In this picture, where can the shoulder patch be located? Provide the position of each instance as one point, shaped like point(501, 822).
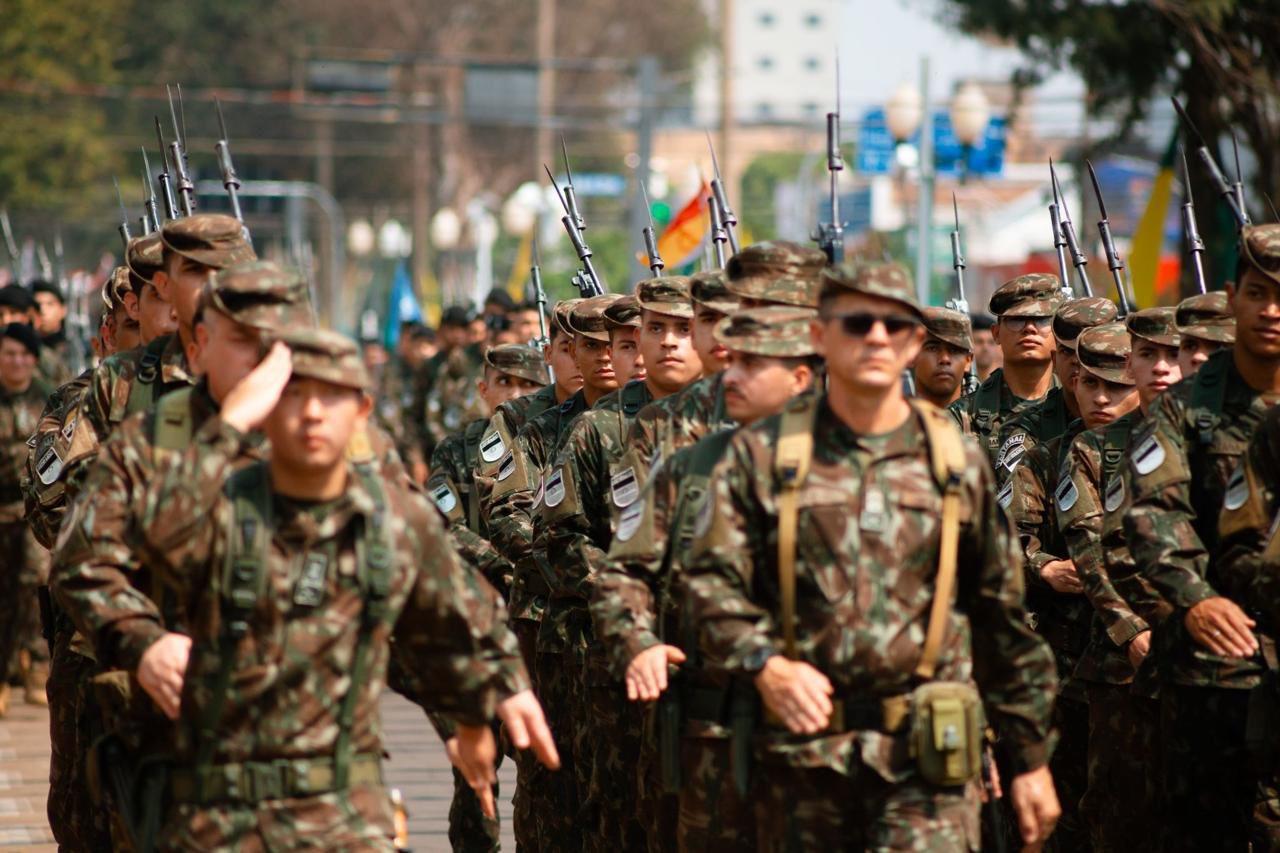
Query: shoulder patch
point(553, 493)
point(444, 496)
point(706, 511)
point(507, 467)
point(49, 466)
point(1012, 451)
point(1004, 497)
point(624, 487)
point(566, 406)
point(69, 428)
point(1066, 494)
point(1237, 490)
point(492, 446)
point(1115, 493)
point(629, 521)
point(1148, 456)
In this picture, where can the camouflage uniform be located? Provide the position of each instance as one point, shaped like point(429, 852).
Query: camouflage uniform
point(390, 577)
point(395, 411)
point(452, 401)
point(984, 413)
point(639, 601)
point(1119, 805)
point(1207, 316)
point(1183, 459)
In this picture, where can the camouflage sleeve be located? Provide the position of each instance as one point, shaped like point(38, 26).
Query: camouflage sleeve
point(1081, 525)
point(1013, 666)
point(1159, 525)
point(1249, 548)
point(95, 566)
point(478, 553)
point(960, 412)
point(575, 521)
point(56, 438)
point(512, 497)
point(1029, 509)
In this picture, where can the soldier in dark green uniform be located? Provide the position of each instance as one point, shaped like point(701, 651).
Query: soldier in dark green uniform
point(1205, 325)
point(945, 357)
point(1185, 469)
point(50, 322)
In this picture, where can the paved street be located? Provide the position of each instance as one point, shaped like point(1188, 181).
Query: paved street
point(417, 767)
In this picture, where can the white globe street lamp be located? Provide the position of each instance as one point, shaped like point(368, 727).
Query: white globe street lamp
point(903, 112)
point(970, 112)
point(446, 229)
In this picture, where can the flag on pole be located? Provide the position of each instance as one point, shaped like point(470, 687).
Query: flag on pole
point(520, 269)
point(679, 244)
point(1150, 286)
point(403, 306)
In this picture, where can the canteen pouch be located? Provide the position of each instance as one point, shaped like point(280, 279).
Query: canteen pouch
point(946, 732)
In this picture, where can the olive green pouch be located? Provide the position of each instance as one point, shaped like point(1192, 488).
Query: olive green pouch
point(946, 732)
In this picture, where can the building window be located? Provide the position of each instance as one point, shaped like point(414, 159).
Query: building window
point(813, 63)
point(813, 20)
point(764, 110)
point(767, 19)
point(810, 108)
point(765, 63)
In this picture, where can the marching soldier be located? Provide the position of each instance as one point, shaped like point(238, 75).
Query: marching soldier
point(446, 383)
point(945, 357)
point(50, 322)
point(1185, 462)
point(822, 572)
point(1205, 325)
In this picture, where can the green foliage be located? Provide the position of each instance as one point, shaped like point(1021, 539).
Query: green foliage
point(758, 182)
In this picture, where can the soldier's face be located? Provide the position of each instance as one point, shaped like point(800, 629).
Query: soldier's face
point(228, 352)
point(17, 365)
point(713, 354)
point(524, 323)
point(1255, 301)
point(756, 386)
point(939, 370)
point(628, 363)
point(13, 315)
point(311, 427)
point(126, 334)
point(595, 364)
point(1101, 402)
point(452, 337)
point(869, 360)
point(180, 283)
point(666, 342)
point(986, 351)
point(497, 388)
point(1153, 367)
point(1065, 366)
point(50, 313)
point(1193, 352)
point(560, 357)
point(1025, 340)
point(156, 317)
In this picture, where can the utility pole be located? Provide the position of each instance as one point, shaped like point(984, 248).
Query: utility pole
point(727, 160)
point(546, 49)
point(422, 183)
point(647, 83)
point(924, 215)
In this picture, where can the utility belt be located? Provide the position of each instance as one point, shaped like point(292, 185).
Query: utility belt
point(252, 782)
point(852, 714)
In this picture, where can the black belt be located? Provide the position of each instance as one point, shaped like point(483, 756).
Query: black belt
point(889, 714)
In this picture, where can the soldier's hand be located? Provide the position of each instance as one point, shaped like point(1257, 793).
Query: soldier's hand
point(476, 754)
point(1036, 803)
point(797, 693)
point(1138, 649)
point(527, 727)
point(248, 404)
point(1222, 627)
point(1062, 577)
point(162, 670)
point(647, 672)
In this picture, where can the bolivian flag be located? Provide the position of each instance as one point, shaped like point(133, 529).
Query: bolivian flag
point(1150, 286)
point(682, 242)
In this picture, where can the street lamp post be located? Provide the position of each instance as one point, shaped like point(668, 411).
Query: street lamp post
point(970, 112)
point(907, 111)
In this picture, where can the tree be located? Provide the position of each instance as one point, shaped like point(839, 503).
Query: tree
point(1218, 56)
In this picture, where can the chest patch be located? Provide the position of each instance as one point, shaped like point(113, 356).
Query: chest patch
point(507, 467)
point(629, 522)
point(1012, 451)
point(1115, 493)
point(445, 498)
point(69, 428)
point(1237, 490)
point(873, 518)
point(624, 488)
point(1004, 497)
point(310, 589)
point(1149, 456)
point(492, 447)
point(49, 466)
point(553, 493)
point(1066, 494)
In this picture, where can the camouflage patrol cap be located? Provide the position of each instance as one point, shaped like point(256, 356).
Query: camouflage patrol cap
point(144, 257)
point(1260, 248)
point(259, 294)
point(624, 312)
point(883, 279)
point(778, 272)
point(326, 355)
point(780, 331)
point(1036, 294)
point(950, 327)
point(1154, 324)
point(1104, 352)
point(1076, 315)
point(561, 314)
point(113, 292)
point(210, 239)
point(518, 360)
point(667, 295)
point(710, 289)
point(1207, 316)
point(587, 317)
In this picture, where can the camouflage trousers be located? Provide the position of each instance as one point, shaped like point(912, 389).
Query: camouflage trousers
point(817, 809)
point(553, 795)
point(712, 815)
point(1120, 806)
point(359, 819)
point(24, 567)
point(523, 816)
point(76, 822)
point(1209, 782)
point(469, 830)
point(1070, 768)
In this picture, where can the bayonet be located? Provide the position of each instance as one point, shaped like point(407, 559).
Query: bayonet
point(230, 180)
point(1078, 259)
point(1238, 186)
point(960, 303)
point(728, 221)
point(587, 280)
point(123, 228)
point(1114, 263)
point(1195, 245)
point(570, 198)
point(540, 299)
point(830, 237)
point(718, 235)
point(650, 237)
point(1220, 183)
point(1060, 249)
point(166, 182)
point(10, 244)
point(186, 189)
point(46, 266)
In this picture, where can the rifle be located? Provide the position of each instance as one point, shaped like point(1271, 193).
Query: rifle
point(1060, 248)
point(77, 320)
point(1078, 259)
point(1233, 197)
point(728, 221)
point(656, 266)
point(166, 182)
point(1195, 245)
point(540, 297)
point(1238, 186)
point(570, 194)
point(123, 228)
point(230, 179)
point(149, 195)
point(718, 234)
point(830, 237)
point(960, 303)
point(186, 189)
point(587, 280)
point(1108, 245)
point(10, 244)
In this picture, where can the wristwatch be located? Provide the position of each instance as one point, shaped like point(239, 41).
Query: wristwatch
point(754, 662)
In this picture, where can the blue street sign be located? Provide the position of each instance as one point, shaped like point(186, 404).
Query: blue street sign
point(876, 146)
point(599, 184)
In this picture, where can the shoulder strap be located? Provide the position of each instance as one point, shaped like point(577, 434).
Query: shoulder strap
point(173, 427)
point(986, 401)
point(946, 455)
point(1208, 394)
point(791, 460)
point(1113, 443)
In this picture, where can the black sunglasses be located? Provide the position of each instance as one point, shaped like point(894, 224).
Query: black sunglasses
point(860, 324)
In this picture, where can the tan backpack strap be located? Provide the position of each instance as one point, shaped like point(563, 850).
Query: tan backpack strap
point(791, 465)
point(946, 453)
